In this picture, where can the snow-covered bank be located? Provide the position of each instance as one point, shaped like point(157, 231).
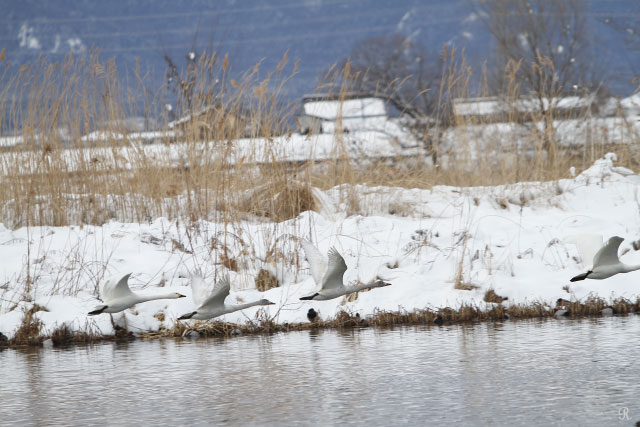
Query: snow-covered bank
point(514, 138)
point(381, 143)
point(506, 238)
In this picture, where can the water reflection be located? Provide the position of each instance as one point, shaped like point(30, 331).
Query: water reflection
point(579, 372)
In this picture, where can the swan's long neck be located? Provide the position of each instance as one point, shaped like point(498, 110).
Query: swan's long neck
point(145, 298)
point(231, 308)
point(628, 268)
point(351, 289)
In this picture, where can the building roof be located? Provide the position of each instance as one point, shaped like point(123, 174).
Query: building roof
point(328, 109)
point(482, 106)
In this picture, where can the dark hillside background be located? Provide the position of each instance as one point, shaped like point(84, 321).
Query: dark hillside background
point(316, 32)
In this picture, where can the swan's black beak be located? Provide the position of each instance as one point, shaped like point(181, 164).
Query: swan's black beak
point(187, 316)
point(271, 303)
point(581, 276)
point(181, 296)
point(386, 284)
point(97, 311)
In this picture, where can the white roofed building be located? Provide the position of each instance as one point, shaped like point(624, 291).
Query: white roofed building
point(324, 113)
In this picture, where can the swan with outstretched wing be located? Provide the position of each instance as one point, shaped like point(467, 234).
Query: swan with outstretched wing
point(117, 296)
point(209, 300)
point(606, 262)
point(328, 274)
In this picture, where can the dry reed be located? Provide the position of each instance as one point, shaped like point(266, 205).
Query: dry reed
point(57, 177)
point(30, 330)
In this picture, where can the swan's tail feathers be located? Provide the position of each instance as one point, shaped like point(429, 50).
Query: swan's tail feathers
point(98, 310)
point(187, 316)
point(581, 276)
point(310, 297)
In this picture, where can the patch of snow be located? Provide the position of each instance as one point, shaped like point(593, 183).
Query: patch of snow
point(26, 37)
point(56, 44)
point(523, 39)
point(386, 140)
point(507, 238)
point(152, 135)
point(100, 135)
point(347, 109)
point(76, 45)
point(631, 105)
point(10, 141)
point(404, 20)
point(472, 17)
point(494, 105)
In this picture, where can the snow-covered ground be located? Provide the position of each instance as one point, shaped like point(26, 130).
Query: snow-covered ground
point(507, 238)
point(384, 138)
point(388, 141)
point(578, 133)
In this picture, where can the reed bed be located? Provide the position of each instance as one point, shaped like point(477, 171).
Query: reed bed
point(61, 175)
point(30, 330)
point(30, 333)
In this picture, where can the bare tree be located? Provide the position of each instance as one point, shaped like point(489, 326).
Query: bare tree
point(191, 78)
point(629, 28)
point(546, 46)
point(397, 68)
point(401, 71)
point(549, 37)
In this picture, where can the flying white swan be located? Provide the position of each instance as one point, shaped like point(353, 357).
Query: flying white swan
point(117, 296)
point(210, 301)
point(588, 244)
point(606, 262)
point(328, 274)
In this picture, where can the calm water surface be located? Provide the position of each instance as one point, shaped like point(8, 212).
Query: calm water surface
point(572, 372)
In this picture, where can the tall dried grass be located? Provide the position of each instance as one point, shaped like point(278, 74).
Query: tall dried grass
point(58, 178)
point(29, 331)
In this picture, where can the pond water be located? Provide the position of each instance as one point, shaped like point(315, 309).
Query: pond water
point(569, 372)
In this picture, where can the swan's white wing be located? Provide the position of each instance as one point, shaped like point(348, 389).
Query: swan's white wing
point(112, 290)
point(588, 245)
point(199, 290)
point(335, 270)
point(317, 262)
point(608, 254)
point(218, 294)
